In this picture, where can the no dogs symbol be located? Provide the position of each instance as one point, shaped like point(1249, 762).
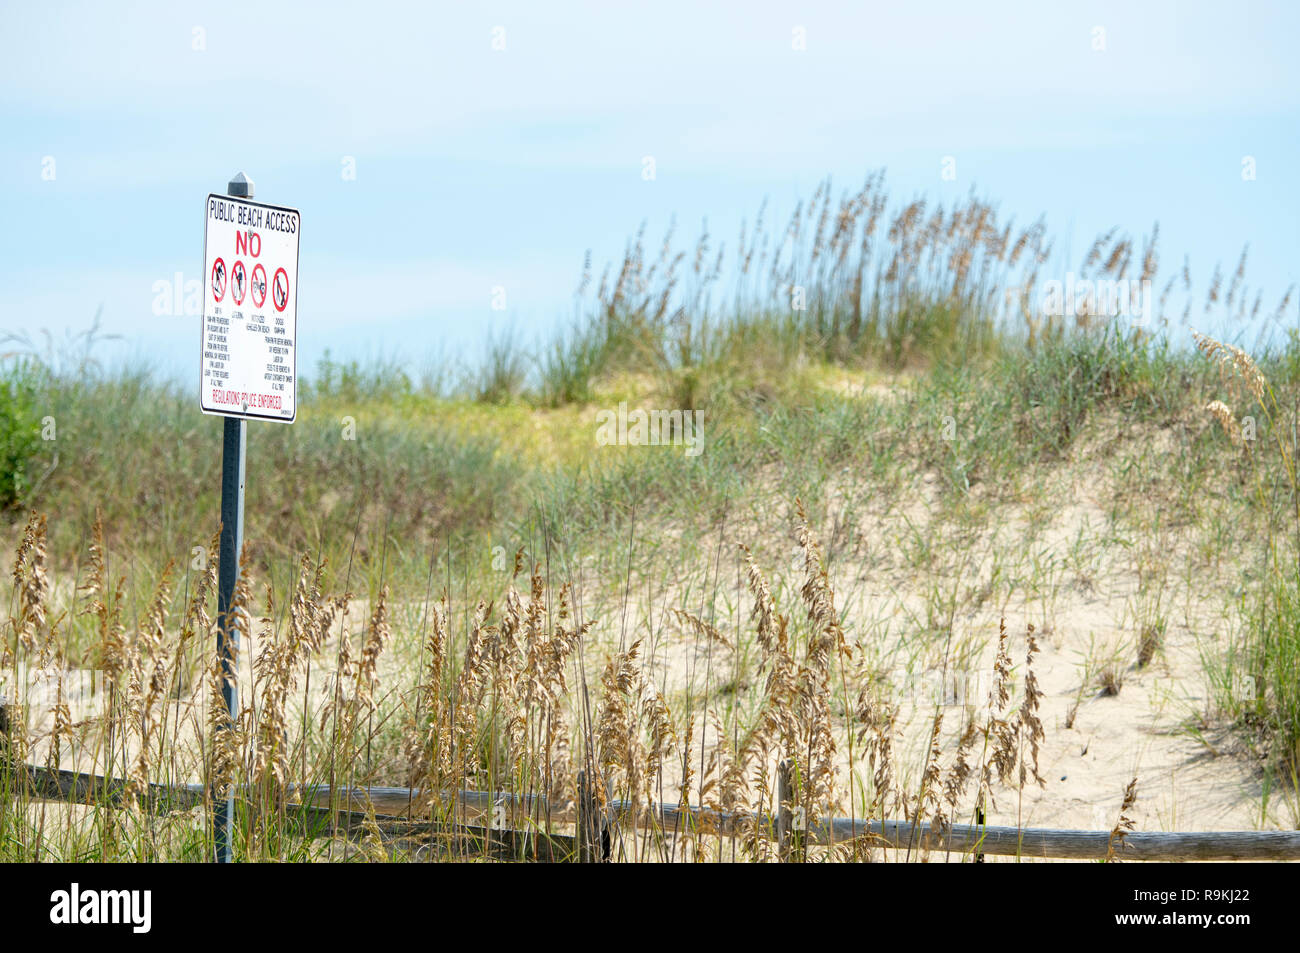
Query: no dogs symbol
point(280, 290)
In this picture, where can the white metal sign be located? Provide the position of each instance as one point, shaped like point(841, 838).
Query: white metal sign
point(250, 310)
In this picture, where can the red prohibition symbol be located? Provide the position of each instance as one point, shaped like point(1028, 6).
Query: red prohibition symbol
point(238, 283)
point(218, 279)
point(259, 286)
point(280, 290)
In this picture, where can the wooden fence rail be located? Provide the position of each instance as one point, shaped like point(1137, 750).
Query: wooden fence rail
point(348, 808)
point(322, 809)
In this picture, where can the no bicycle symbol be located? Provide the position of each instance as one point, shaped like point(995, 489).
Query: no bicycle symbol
point(239, 283)
point(280, 293)
point(259, 286)
point(219, 279)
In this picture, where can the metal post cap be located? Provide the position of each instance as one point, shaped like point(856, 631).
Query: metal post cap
point(241, 186)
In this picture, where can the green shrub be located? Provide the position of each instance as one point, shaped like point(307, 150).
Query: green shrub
point(19, 434)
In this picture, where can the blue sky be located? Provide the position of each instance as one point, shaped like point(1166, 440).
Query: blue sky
point(478, 168)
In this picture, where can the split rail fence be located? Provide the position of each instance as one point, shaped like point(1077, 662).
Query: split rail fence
point(396, 812)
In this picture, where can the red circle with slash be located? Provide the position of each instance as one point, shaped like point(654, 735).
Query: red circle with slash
point(259, 286)
point(280, 290)
point(218, 279)
point(238, 283)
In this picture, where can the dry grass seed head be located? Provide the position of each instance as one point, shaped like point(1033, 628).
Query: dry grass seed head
point(1124, 824)
point(1233, 362)
point(31, 582)
point(1223, 414)
point(1028, 718)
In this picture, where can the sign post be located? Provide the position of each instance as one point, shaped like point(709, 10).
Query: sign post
point(248, 370)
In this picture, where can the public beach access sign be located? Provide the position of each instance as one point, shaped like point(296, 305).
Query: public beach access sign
point(250, 310)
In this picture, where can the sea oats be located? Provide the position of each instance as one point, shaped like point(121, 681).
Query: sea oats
point(1223, 414)
point(1238, 277)
point(1280, 313)
point(929, 802)
point(106, 605)
point(32, 583)
point(701, 628)
point(1216, 285)
point(1027, 718)
point(1115, 842)
point(1233, 359)
point(149, 662)
point(954, 784)
point(1151, 258)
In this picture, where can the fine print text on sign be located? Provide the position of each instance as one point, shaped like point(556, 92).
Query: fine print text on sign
point(250, 310)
